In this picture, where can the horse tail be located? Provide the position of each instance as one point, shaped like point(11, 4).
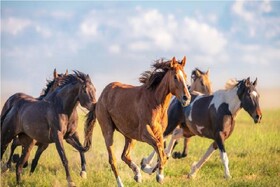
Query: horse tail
point(4, 113)
point(89, 126)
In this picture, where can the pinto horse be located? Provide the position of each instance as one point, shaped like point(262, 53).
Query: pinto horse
point(200, 84)
point(140, 112)
point(214, 117)
point(47, 121)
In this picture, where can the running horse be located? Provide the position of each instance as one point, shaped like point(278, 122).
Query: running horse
point(15, 98)
point(47, 121)
point(140, 112)
point(213, 117)
point(200, 83)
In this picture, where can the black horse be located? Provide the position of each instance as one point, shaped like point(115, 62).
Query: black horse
point(47, 121)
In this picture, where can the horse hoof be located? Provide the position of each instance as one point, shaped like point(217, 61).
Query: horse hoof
point(83, 174)
point(4, 168)
point(160, 178)
point(191, 176)
point(71, 184)
point(227, 176)
point(138, 178)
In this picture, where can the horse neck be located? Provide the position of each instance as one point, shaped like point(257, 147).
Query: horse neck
point(233, 101)
point(68, 97)
point(162, 93)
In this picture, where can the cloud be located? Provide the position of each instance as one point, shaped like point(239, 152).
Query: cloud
point(257, 19)
point(14, 25)
point(89, 25)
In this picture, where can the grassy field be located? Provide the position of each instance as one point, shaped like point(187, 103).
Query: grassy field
point(253, 151)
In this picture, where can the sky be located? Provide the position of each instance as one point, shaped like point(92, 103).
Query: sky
point(118, 40)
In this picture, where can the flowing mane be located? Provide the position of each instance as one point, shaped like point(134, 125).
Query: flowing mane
point(231, 83)
point(152, 78)
point(73, 78)
point(196, 69)
point(48, 87)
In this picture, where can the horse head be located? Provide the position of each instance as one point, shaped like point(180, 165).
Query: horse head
point(249, 98)
point(177, 81)
point(87, 92)
point(201, 82)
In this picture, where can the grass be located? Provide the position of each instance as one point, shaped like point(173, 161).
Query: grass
point(253, 151)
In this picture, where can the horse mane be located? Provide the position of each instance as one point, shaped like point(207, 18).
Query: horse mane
point(196, 69)
point(151, 79)
point(73, 78)
point(46, 90)
point(231, 83)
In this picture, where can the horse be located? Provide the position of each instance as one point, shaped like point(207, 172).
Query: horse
point(200, 84)
point(213, 117)
point(12, 100)
point(140, 112)
point(47, 121)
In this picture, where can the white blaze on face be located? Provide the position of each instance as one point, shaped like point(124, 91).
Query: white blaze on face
point(254, 93)
point(182, 77)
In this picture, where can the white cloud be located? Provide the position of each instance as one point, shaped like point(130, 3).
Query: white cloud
point(89, 25)
point(239, 9)
point(46, 33)
point(203, 37)
point(61, 15)
point(115, 49)
point(14, 25)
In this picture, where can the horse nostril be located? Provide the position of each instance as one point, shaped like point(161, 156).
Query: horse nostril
point(185, 98)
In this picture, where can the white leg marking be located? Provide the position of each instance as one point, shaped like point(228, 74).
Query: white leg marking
point(177, 134)
point(119, 181)
point(225, 161)
point(138, 176)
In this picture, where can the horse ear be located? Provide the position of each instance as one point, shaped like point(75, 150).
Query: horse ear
point(255, 82)
point(66, 73)
point(55, 73)
point(184, 61)
point(197, 73)
point(173, 62)
point(247, 82)
point(208, 72)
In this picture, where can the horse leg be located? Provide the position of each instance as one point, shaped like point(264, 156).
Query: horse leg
point(185, 149)
point(156, 141)
point(129, 144)
point(28, 144)
point(41, 148)
point(197, 165)
point(176, 135)
point(220, 143)
point(14, 145)
point(74, 140)
point(60, 149)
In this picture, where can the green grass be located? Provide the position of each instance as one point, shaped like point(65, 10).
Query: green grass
point(253, 151)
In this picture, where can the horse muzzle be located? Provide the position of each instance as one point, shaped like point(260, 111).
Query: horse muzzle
point(257, 118)
point(185, 101)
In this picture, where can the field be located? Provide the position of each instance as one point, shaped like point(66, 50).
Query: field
point(253, 151)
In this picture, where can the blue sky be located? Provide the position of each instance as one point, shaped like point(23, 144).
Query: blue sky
point(117, 41)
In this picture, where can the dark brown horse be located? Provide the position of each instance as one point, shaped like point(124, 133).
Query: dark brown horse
point(47, 121)
point(14, 99)
point(140, 112)
point(200, 84)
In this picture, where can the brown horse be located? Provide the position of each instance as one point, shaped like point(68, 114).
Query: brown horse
point(200, 84)
point(140, 112)
point(47, 121)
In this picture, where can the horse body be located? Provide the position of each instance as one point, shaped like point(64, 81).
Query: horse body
point(46, 120)
point(140, 112)
point(213, 117)
point(200, 84)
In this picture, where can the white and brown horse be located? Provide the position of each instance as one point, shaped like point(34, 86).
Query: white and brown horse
point(140, 112)
point(214, 117)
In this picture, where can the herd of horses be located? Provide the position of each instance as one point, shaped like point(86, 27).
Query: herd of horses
point(146, 113)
